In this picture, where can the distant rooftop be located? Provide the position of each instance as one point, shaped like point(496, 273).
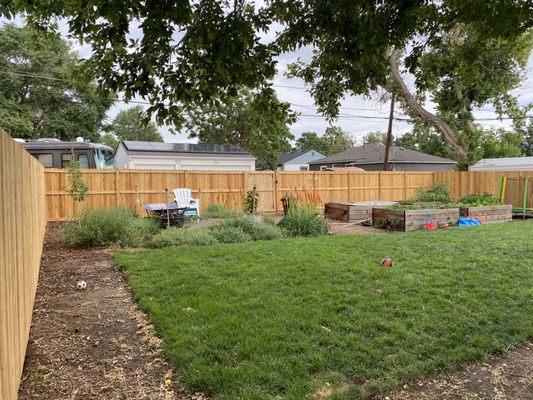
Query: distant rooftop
point(502, 164)
point(374, 154)
point(160, 147)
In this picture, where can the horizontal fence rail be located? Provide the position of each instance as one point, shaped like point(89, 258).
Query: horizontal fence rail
point(22, 226)
point(132, 188)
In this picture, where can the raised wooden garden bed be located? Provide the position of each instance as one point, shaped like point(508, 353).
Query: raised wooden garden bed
point(347, 212)
point(489, 214)
point(411, 220)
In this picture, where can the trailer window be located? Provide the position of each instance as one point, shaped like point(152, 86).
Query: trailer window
point(83, 159)
point(46, 159)
point(65, 159)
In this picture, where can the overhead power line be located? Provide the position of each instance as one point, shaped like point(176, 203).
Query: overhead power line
point(340, 116)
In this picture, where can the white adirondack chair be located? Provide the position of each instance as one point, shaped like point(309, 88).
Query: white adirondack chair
point(183, 198)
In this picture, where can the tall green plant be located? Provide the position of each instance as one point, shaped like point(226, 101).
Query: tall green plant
point(77, 188)
point(251, 201)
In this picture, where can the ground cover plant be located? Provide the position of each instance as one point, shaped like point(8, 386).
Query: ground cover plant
point(220, 211)
point(422, 206)
point(110, 226)
point(439, 192)
point(301, 316)
point(475, 200)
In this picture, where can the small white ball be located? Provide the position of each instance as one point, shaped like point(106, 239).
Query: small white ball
point(82, 285)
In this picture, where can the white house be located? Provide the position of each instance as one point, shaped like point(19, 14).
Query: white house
point(157, 155)
point(298, 160)
point(503, 164)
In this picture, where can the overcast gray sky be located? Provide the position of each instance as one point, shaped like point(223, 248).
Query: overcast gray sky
point(352, 108)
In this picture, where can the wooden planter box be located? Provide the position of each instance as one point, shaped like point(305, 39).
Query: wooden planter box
point(489, 214)
point(347, 212)
point(412, 220)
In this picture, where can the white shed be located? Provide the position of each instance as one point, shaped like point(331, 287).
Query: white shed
point(157, 155)
point(503, 164)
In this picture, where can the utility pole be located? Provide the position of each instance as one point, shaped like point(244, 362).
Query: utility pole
point(388, 142)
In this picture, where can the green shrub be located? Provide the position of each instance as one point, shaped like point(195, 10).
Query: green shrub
point(109, 226)
point(304, 221)
point(185, 236)
point(139, 232)
point(230, 234)
point(439, 192)
point(266, 232)
point(483, 199)
point(268, 219)
point(257, 230)
point(220, 211)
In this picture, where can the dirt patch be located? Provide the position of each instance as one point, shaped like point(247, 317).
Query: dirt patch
point(508, 377)
point(93, 343)
point(343, 228)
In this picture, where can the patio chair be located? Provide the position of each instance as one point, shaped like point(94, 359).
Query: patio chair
point(183, 198)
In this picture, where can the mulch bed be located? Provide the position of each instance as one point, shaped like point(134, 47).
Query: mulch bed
point(93, 343)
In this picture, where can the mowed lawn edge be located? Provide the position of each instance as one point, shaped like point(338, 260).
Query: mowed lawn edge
point(301, 317)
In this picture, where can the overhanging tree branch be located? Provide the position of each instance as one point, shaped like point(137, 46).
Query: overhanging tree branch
point(447, 133)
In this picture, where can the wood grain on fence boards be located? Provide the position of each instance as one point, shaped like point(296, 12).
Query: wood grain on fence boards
point(132, 188)
point(22, 227)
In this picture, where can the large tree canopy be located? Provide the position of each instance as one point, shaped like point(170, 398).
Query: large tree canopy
point(40, 94)
point(258, 122)
point(195, 51)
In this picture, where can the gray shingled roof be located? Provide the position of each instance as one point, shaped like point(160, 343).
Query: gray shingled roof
point(285, 157)
point(159, 147)
point(374, 153)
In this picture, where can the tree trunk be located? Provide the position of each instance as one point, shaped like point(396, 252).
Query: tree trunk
point(447, 133)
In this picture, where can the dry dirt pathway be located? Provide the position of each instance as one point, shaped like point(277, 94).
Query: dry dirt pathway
point(93, 343)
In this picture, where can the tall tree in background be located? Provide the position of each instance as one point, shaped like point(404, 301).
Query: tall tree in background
point(130, 124)
point(333, 141)
point(460, 69)
point(375, 138)
point(258, 122)
point(337, 140)
point(40, 94)
point(311, 141)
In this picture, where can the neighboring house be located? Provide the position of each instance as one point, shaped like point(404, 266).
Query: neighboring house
point(298, 160)
point(503, 164)
point(370, 158)
point(157, 155)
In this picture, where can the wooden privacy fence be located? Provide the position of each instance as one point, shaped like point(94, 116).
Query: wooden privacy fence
point(22, 226)
point(132, 188)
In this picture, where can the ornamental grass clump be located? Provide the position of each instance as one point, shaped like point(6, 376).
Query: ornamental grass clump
point(118, 226)
point(303, 220)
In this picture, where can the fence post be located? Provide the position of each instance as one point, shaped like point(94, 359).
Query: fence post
point(117, 191)
point(405, 185)
point(276, 192)
point(379, 185)
point(349, 186)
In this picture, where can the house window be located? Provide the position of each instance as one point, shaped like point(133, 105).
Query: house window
point(65, 159)
point(304, 167)
point(323, 167)
point(46, 159)
point(83, 159)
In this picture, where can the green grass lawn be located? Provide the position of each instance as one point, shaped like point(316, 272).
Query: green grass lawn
point(289, 317)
